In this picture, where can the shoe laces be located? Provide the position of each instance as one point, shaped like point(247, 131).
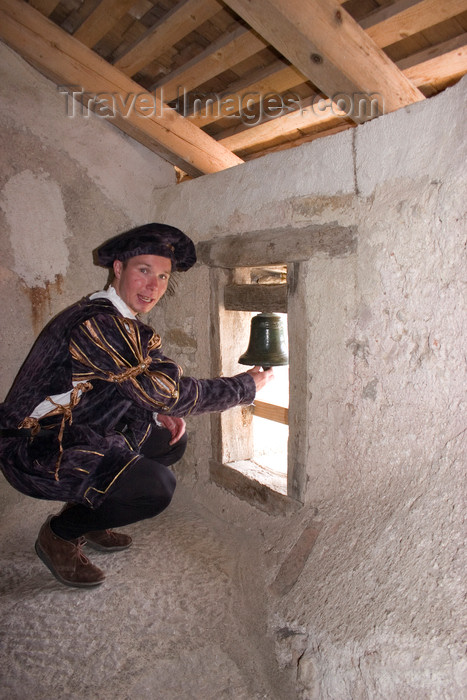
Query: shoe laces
point(80, 542)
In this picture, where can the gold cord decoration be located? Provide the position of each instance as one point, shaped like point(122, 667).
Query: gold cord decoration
point(67, 416)
point(130, 361)
point(31, 424)
point(131, 372)
point(66, 412)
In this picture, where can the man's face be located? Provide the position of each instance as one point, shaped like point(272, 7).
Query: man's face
point(142, 281)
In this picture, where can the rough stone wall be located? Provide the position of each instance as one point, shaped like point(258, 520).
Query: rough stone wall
point(366, 580)
point(66, 184)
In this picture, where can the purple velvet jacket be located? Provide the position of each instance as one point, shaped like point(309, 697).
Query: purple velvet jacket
point(121, 378)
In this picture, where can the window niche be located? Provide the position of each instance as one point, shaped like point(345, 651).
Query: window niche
point(235, 297)
point(263, 455)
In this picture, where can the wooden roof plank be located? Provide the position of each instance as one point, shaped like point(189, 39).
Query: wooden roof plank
point(348, 63)
point(439, 50)
point(46, 7)
point(307, 137)
point(276, 78)
point(101, 21)
point(439, 65)
point(69, 63)
point(223, 53)
point(185, 17)
point(313, 113)
point(408, 17)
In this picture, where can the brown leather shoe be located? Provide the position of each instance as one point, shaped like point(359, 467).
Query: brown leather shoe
point(104, 540)
point(66, 560)
point(108, 540)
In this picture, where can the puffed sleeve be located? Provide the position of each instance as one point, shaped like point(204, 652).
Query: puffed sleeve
point(127, 354)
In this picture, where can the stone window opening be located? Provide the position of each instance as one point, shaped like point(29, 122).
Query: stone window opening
point(233, 262)
point(266, 478)
point(252, 291)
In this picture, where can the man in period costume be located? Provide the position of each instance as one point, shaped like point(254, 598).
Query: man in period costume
point(95, 415)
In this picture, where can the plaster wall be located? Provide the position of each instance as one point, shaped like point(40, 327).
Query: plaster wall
point(66, 184)
point(366, 580)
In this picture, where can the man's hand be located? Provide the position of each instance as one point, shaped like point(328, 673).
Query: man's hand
point(261, 376)
point(177, 426)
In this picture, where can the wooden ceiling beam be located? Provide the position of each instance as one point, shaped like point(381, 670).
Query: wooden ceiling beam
point(280, 77)
point(437, 65)
point(285, 127)
point(408, 17)
point(101, 21)
point(240, 44)
point(348, 63)
point(140, 8)
point(70, 64)
point(228, 50)
point(307, 137)
point(46, 7)
point(276, 78)
point(175, 25)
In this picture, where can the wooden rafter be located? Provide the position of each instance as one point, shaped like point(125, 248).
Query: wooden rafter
point(46, 7)
point(437, 65)
point(101, 21)
point(315, 114)
point(226, 51)
point(407, 17)
point(380, 25)
point(180, 21)
point(306, 137)
point(278, 77)
point(350, 63)
point(69, 63)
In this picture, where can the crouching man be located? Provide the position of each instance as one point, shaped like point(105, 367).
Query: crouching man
point(95, 415)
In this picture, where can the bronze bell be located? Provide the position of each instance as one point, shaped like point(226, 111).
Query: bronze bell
point(268, 345)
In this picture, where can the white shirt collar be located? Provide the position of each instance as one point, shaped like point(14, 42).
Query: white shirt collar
point(111, 294)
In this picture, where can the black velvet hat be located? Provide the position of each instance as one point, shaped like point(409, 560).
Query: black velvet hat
point(150, 239)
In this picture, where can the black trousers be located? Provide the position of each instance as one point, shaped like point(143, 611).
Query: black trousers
point(143, 491)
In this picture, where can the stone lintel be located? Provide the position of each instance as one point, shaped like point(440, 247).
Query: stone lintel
point(276, 246)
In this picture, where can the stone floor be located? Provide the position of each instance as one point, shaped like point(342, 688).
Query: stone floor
point(180, 616)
